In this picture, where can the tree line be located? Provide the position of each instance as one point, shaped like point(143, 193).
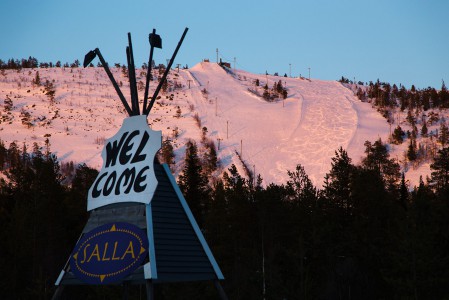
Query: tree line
point(32, 62)
point(422, 110)
point(363, 235)
point(387, 96)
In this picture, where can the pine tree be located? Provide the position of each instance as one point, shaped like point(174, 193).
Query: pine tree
point(13, 155)
point(125, 71)
point(301, 187)
point(234, 181)
point(167, 155)
point(443, 96)
point(203, 134)
point(284, 93)
point(361, 94)
point(410, 118)
point(443, 136)
point(33, 62)
point(50, 91)
point(8, 104)
point(378, 160)
point(165, 86)
point(302, 196)
point(75, 64)
point(37, 80)
point(193, 183)
point(411, 150)
point(2, 155)
point(279, 87)
point(47, 145)
point(424, 129)
point(403, 192)
point(210, 157)
point(26, 118)
point(338, 180)
point(440, 170)
point(266, 95)
point(398, 135)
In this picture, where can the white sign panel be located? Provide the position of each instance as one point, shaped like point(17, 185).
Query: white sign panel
point(127, 174)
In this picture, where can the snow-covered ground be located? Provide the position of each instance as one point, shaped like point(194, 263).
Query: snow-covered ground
point(315, 120)
point(271, 137)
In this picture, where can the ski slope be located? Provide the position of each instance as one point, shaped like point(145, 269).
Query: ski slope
point(307, 128)
point(315, 120)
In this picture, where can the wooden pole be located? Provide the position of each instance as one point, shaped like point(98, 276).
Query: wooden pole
point(147, 84)
point(132, 79)
point(114, 83)
point(131, 82)
point(164, 77)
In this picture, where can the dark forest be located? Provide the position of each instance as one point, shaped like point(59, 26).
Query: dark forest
point(363, 235)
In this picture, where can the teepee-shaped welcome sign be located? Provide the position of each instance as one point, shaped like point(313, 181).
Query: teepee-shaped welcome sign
point(140, 229)
point(127, 174)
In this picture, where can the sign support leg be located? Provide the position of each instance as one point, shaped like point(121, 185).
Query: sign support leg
point(125, 291)
point(220, 290)
point(150, 289)
point(58, 292)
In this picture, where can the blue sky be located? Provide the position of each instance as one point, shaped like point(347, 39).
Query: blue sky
point(396, 41)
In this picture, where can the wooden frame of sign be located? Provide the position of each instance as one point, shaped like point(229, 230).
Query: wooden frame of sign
point(140, 229)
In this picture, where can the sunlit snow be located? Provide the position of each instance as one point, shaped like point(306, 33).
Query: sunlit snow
point(307, 128)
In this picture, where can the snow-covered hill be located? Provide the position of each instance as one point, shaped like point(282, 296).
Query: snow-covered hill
point(307, 127)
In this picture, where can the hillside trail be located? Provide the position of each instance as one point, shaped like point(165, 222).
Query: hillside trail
point(328, 121)
point(244, 123)
point(273, 137)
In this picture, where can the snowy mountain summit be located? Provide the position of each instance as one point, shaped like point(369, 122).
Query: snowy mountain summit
point(251, 128)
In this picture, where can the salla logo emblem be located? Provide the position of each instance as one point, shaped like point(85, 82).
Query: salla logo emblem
point(109, 253)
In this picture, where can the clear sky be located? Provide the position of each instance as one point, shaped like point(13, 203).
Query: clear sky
point(397, 41)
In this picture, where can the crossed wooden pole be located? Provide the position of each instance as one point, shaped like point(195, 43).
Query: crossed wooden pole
point(134, 109)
